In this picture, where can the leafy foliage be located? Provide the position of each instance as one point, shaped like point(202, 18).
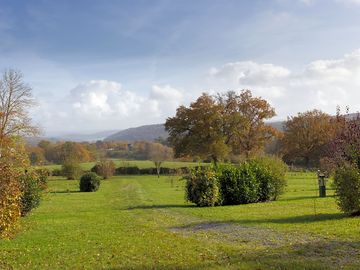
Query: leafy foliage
point(238, 185)
point(12, 159)
point(89, 182)
point(347, 186)
point(345, 156)
point(202, 187)
point(214, 127)
point(257, 180)
point(31, 191)
point(71, 169)
point(270, 172)
point(104, 168)
point(306, 137)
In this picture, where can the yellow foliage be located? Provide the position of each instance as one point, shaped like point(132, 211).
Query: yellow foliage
point(12, 163)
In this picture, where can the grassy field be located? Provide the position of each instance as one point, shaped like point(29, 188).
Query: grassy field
point(139, 163)
point(141, 222)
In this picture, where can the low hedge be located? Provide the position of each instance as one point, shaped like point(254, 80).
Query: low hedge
point(134, 170)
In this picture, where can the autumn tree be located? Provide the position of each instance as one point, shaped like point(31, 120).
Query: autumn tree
point(214, 126)
point(197, 130)
point(159, 153)
point(105, 168)
point(306, 136)
point(244, 125)
point(15, 101)
point(36, 155)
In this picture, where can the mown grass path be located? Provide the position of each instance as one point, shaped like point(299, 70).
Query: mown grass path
point(141, 222)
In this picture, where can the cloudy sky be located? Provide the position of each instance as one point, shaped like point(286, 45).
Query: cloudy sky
point(104, 65)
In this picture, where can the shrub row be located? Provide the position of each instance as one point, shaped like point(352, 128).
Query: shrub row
point(134, 170)
point(257, 180)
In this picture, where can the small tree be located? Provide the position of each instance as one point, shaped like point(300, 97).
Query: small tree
point(71, 169)
point(104, 168)
point(158, 153)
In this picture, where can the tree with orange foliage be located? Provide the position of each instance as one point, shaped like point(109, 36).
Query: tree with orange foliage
point(15, 100)
point(306, 136)
point(12, 163)
point(212, 127)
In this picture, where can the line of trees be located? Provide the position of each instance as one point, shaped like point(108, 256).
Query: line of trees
point(233, 127)
point(47, 152)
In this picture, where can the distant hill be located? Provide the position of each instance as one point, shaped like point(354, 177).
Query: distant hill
point(86, 137)
point(92, 137)
point(142, 133)
point(152, 132)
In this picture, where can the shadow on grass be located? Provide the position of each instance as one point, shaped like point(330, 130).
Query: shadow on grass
point(65, 191)
point(295, 219)
point(161, 206)
point(299, 198)
point(313, 255)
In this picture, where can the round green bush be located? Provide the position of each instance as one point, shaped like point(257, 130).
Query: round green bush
point(238, 185)
point(347, 189)
point(89, 182)
point(202, 187)
point(270, 173)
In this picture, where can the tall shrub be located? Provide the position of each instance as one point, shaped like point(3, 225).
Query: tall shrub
point(12, 161)
point(238, 185)
point(202, 187)
point(10, 195)
point(347, 188)
point(270, 173)
point(31, 189)
point(345, 154)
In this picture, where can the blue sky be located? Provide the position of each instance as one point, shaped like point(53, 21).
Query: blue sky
point(97, 65)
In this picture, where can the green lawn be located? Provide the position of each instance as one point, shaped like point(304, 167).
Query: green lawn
point(141, 222)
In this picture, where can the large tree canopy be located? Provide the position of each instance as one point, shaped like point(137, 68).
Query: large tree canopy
point(215, 126)
point(306, 136)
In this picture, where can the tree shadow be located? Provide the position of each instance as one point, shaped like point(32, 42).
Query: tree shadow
point(295, 219)
point(304, 198)
point(161, 206)
point(312, 255)
point(65, 191)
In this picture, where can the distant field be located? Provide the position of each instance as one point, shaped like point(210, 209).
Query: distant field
point(140, 163)
point(140, 222)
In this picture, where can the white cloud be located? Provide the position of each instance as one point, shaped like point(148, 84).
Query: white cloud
point(322, 84)
point(166, 92)
point(100, 105)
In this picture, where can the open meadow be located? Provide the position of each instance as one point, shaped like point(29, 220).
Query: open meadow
point(141, 222)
